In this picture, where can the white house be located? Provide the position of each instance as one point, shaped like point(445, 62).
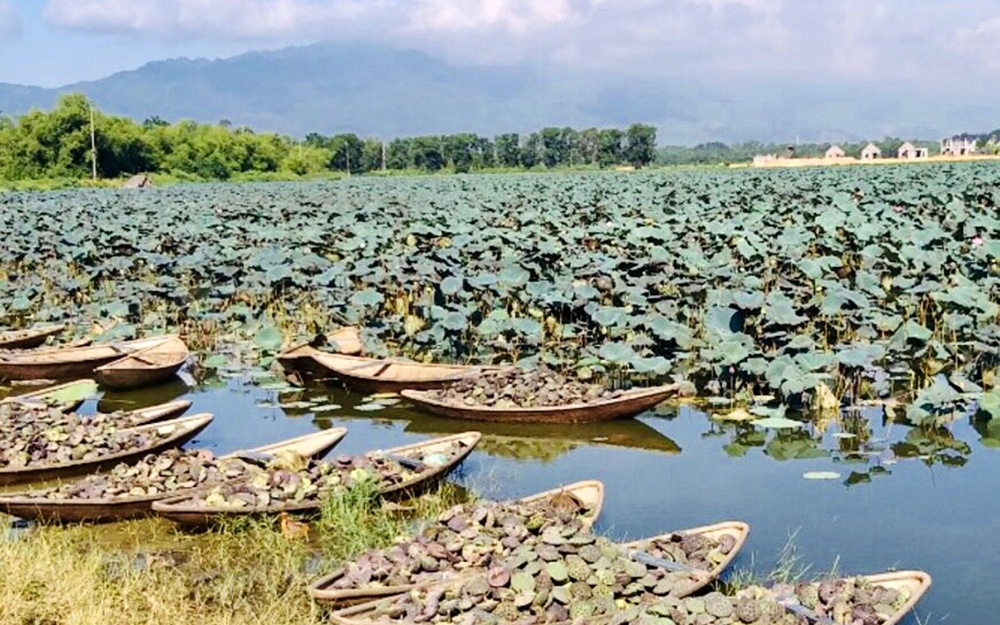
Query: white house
point(871, 152)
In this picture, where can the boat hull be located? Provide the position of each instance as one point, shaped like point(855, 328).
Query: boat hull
point(630, 404)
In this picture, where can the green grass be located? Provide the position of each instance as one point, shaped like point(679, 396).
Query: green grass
point(146, 572)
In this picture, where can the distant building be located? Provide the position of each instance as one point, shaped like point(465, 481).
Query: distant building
point(871, 152)
point(956, 146)
point(835, 151)
point(762, 159)
point(911, 152)
point(789, 152)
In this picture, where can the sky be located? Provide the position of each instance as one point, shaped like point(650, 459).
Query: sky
point(925, 44)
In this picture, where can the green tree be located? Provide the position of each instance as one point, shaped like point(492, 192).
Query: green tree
point(640, 145)
point(346, 153)
point(609, 147)
point(508, 148)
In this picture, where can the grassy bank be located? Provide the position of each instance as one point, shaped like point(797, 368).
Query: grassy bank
point(146, 572)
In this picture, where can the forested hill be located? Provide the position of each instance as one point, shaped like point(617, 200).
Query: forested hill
point(363, 89)
point(375, 91)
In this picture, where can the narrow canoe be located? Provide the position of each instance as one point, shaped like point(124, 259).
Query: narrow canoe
point(160, 412)
point(27, 339)
point(363, 613)
point(298, 359)
point(738, 530)
point(68, 397)
point(916, 583)
point(22, 505)
point(182, 511)
point(589, 494)
point(146, 367)
point(371, 375)
point(58, 363)
point(183, 430)
point(628, 404)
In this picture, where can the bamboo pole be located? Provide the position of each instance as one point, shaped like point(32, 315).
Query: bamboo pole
point(93, 146)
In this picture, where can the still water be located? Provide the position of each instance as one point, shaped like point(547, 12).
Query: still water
point(903, 499)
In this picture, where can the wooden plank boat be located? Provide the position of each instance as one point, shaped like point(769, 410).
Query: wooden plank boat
point(740, 531)
point(145, 367)
point(183, 430)
point(372, 375)
point(184, 512)
point(628, 404)
point(589, 494)
point(160, 412)
point(68, 397)
point(298, 359)
point(58, 363)
point(363, 613)
point(32, 337)
point(25, 506)
point(915, 583)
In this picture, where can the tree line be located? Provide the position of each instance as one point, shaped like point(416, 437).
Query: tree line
point(58, 144)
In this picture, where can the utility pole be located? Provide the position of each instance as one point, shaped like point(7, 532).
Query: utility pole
point(348, 153)
point(93, 146)
point(383, 155)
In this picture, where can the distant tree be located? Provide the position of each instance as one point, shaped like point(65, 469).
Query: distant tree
point(154, 122)
point(588, 144)
point(640, 145)
point(508, 148)
point(225, 123)
point(555, 150)
point(458, 151)
point(346, 153)
point(609, 147)
point(428, 153)
point(371, 155)
point(399, 154)
point(531, 151)
point(483, 153)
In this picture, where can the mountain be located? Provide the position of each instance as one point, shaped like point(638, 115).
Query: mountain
point(378, 91)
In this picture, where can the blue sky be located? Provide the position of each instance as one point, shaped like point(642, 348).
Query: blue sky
point(922, 44)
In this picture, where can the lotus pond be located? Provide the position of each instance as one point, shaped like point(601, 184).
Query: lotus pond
point(839, 327)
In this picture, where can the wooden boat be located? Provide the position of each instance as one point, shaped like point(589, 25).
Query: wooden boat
point(146, 367)
point(182, 511)
point(182, 430)
point(68, 397)
point(916, 583)
point(372, 375)
point(24, 506)
point(153, 414)
point(32, 337)
point(362, 613)
point(589, 494)
point(61, 363)
point(298, 359)
point(628, 404)
point(738, 530)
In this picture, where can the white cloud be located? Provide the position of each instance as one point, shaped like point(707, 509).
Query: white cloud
point(866, 39)
point(981, 42)
point(10, 23)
